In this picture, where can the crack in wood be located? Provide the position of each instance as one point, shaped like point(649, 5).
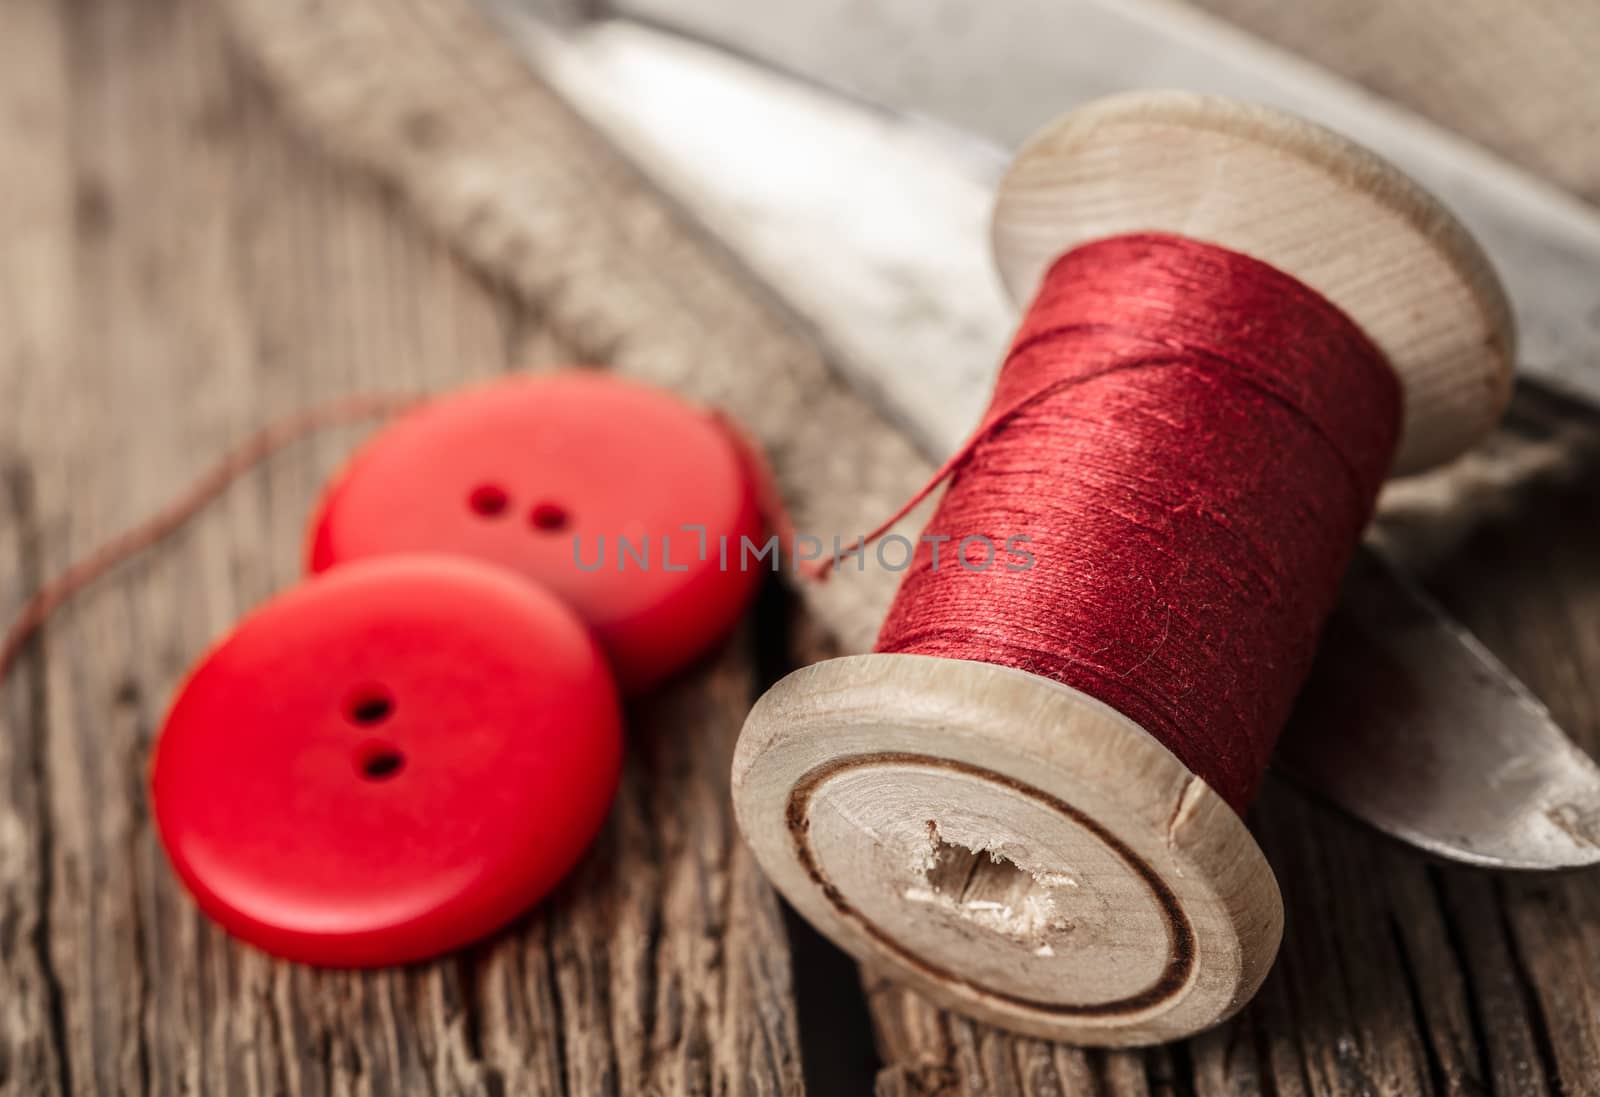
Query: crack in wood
point(34, 677)
point(1539, 1025)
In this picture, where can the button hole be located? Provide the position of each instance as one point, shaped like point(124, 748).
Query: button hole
point(370, 706)
point(489, 500)
point(379, 761)
point(549, 517)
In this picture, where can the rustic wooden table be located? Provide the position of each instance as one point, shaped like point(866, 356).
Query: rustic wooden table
point(195, 239)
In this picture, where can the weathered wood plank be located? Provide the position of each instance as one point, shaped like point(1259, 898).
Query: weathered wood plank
point(1397, 976)
point(177, 269)
point(30, 1010)
point(36, 222)
point(1516, 75)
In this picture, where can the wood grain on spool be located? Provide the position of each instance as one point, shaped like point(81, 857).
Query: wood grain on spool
point(1008, 845)
point(1294, 195)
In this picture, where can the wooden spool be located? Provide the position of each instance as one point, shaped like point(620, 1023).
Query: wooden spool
point(1016, 849)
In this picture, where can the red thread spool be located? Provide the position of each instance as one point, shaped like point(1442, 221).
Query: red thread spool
point(1026, 803)
point(1192, 443)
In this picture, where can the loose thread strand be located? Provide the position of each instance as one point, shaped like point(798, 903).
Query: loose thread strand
point(249, 453)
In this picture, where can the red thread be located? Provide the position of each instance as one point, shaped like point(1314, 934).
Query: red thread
point(257, 447)
point(1193, 441)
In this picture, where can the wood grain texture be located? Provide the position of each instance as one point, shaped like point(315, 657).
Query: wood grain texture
point(175, 270)
point(1397, 976)
point(1516, 75)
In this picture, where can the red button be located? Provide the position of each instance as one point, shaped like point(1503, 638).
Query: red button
point(578, 480)
point(388, 762)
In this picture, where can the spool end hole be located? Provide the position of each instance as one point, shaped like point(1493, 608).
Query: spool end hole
point(988, 889)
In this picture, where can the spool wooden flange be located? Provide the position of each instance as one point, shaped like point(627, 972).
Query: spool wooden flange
point(1014, 848)
point(1296, 196)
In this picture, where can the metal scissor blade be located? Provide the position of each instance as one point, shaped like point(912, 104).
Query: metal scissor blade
point(1410, 724)
point(1002, 70)
point(863, 223)
point(873, 228)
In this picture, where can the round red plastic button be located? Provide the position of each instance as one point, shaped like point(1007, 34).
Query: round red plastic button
point(617, 496)
point(388, 762)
